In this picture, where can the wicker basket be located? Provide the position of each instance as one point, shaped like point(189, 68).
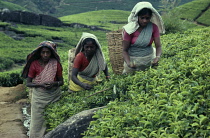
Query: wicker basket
point(71, 56)
point(115, 50)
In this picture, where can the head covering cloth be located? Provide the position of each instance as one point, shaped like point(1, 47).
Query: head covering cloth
point(133, 24)
point(99, 54)
point(53, 44)
point(35, 54)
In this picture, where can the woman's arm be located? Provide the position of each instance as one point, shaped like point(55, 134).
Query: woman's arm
point(126, 45)
point(29, 83)
point(158, 50)
point(106, 73)
point(49, 85)
point(77, 81)
point(59, 81)
point(59, 76)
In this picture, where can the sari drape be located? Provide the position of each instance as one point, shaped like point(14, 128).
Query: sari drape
point(41, 98)
point(140, 53)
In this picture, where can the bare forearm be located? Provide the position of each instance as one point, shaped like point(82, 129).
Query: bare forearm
point(59, 81)
point(158, 51)
point(76, 81)
point(30, 84)
point(158, 46)
point(74, 77)
point(126, 57)
point(125, 54)
point(106, 73)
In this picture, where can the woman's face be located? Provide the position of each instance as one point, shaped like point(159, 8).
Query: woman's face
point(144, 20)
point(45, 54)
point(89, 48)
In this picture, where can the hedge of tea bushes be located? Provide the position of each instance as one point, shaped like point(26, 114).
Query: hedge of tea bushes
point(190, 12)
point(171, 100)
point(10, 78)
point(72, 103)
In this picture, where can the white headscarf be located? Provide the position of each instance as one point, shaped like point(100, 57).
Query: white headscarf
point(133, 24)
point(99, 54)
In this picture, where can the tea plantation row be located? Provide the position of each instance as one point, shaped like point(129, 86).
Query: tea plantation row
point(171, 100)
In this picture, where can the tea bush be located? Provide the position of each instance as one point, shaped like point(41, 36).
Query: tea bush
point(168, 101)
point(10, 78)
point(5, 63)
point(171, 100)
point(190, 12)
point(203, 19)
point(175, 24)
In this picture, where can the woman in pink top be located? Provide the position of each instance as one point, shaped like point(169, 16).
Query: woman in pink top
point(143, 28)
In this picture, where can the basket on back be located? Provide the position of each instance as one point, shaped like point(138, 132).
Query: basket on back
point(71, 56)
point(115, 51)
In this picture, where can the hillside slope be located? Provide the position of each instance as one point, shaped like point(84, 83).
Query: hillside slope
point(59, 8)
point(171, 100)
point(11, 6)
point(199, 14)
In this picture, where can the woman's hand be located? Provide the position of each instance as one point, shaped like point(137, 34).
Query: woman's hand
point(155, 61)
point(158, 51)
point(48, 85)
point(86, 86)
point(107, 78)
point(132, 65)
point(77, 81)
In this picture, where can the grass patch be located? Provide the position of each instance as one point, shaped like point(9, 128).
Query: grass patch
point(202, 19)
point(192, 9)
point(106, 19)
point(11, 6)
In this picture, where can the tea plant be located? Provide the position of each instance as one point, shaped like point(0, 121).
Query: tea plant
point(189, 11)
point(10, 78)
point(161, 102)
point(169, 101)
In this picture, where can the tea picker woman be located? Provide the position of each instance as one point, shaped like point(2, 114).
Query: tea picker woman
point(88, 62)
point(43, 71)
point(143, 28)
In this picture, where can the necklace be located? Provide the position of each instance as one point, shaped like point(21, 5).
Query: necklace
point(43, 64)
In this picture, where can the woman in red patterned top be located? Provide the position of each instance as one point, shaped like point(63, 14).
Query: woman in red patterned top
point(43, 71)
point(89, 61)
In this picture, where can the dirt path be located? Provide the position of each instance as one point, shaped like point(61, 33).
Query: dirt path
point(11, 117)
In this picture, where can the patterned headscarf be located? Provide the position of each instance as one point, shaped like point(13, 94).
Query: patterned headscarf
point(50, 43)
point(133, 24)
point(34, 55)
